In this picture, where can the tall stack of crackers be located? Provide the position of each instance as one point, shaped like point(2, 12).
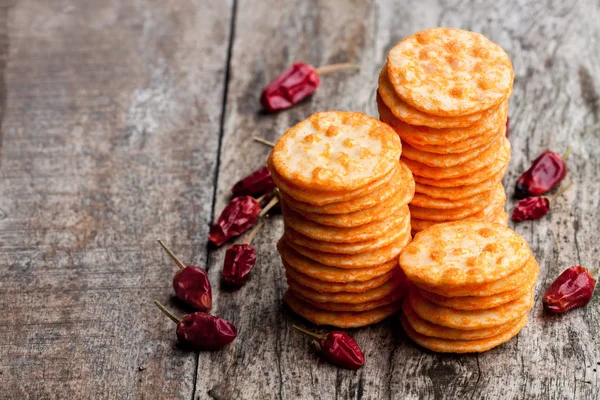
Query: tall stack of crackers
point(445, 92)
point(471, 286)
point(345, 196)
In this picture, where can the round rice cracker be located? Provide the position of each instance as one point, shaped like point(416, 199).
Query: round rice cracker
point(365, 232)
point(470, 303)
point(362, 260)
point(485, 159)
point(395, 205)
point(335, 287)
point(426, 328)
point(336, 151)
point(339, 319)
point(500, 163)
point(387, 96)
point(402, 183)
point(450, 72)
point(529, 271)
point(444, 160)
point(462, 346)
point(424, 201)
point(389, 287)
point(463, 252)
point(355, 307)
point(460, 192)
point(482, 211)
point(391, 236)
point(318, 198)
point(473, 319)
point(293, 260)
point(491, 121)
point(500, 217)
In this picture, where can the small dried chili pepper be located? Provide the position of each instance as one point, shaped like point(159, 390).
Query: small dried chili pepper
point(295, 84)
point(535, 207)
point(240, 260)
point(338, 348)
point(202, 331)
point(191, 284)
point(240, 215)
point(258, 182)
point(547, 171)
point(573, 288)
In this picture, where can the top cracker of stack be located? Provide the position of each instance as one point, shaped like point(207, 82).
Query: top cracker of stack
point(445, 92)
point(345, 198)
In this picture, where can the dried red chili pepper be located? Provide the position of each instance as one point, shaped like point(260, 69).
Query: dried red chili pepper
point(507, 125)
point(239, 216)
point(535, 207)
point(191, 284)
point(240, 259)
point(338, 348)
point(573, 288)
point(295, 84)
point(547, 171)
point(258, 182)
point(202, 331)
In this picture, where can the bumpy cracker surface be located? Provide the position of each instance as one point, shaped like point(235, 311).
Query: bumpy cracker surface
point(354, 307)
point(450, 72)
point(460, 192)
point(525, 273)
point(318, 198)
point(467, 320)
point(334, 287)
point(485, 159)
point(459, 346)
point(479, 302)
point(391, 236)
point(426, 328)
point(396, 204)
point(403, 111)
point(336, 151)
point(331, 274)
point(402, 183)
point(371, 231)
point(339, 319)
point(500, 164)
point(362, 260)
point(464, 252)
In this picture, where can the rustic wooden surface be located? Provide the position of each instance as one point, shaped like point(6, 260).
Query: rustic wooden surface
point(125, 121)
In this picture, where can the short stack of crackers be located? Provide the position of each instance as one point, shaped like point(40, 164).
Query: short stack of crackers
point(345, 198)
point(445, 92)
point(471, 286)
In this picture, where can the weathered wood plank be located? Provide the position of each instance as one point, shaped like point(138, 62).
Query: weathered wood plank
point(555, 49)
point(110, 135)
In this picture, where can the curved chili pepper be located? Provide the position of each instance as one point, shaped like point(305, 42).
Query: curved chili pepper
point(202, 331)
point(258, 182)
point(573, 288)
point(239, 216)
point(535, 207)
point(239, 262)
point(191, 283)
point(338, 348)
point(547, 171)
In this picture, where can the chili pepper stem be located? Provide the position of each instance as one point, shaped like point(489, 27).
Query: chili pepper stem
point(171, 254)
point(261, 198)
point(560, 192)
point(309, 333)
point(166, 312)
point(567, 153)
point(254, 231)
point(271, 204)
point(263, 141)
point(326, 69)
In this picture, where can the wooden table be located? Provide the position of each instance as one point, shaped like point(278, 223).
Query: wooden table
point(126, 121)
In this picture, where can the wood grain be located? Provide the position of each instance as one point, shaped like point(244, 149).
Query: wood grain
point(123, 121)
point(110, 136)
point(555, 101)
